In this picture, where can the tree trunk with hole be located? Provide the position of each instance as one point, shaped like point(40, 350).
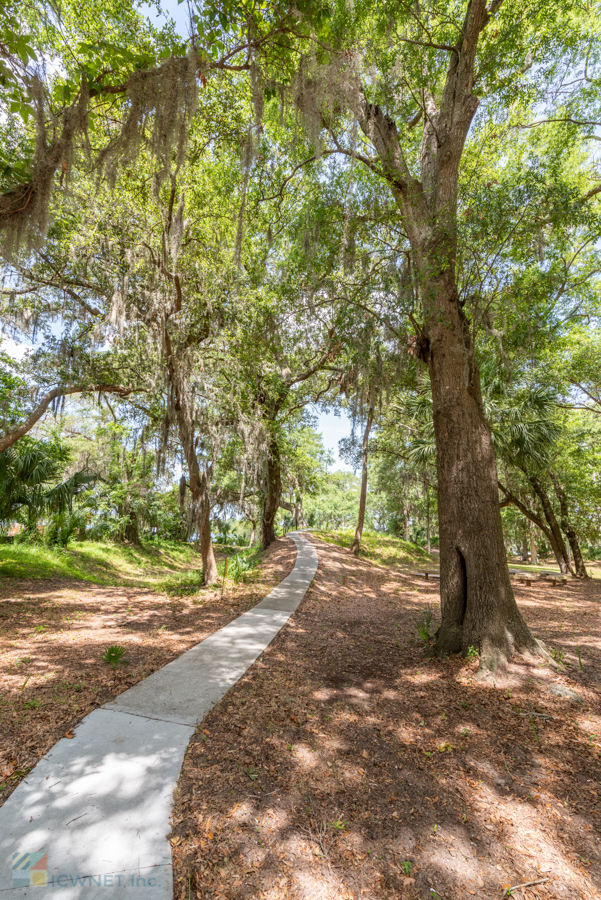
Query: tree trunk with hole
point(356, 545)
point(478, 606)
point(273, 493)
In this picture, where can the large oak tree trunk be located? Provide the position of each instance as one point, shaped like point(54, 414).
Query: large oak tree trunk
point(356, 545)
point(478, 606)
point(273, 493)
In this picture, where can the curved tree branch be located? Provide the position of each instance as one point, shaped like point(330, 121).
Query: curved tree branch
point(13, 436)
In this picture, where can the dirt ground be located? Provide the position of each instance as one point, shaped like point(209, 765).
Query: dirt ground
point(53, 635)
point(348, 764)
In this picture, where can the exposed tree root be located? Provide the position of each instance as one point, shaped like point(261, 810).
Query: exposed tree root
point(495, 655)
point(496, 647)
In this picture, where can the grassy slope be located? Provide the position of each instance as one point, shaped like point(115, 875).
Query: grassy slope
point(387, 550)
point(383, 548)
point(102, 563)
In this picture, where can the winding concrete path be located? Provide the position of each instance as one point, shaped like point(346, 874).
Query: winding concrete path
point(99, 804)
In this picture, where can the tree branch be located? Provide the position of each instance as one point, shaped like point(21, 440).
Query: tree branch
point(592, 193)
point(13, 436)
point(532, 516)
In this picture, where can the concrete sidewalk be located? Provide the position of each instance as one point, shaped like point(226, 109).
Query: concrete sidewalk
point(98, 805)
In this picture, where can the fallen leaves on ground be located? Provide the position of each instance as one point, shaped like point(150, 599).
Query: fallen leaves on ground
point(53, 635)
point(348, 764)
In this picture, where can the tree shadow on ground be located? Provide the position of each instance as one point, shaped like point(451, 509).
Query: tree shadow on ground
point(53, 636)
point(349, 764)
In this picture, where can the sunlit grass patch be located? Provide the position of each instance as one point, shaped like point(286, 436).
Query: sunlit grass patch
point(380, 548)
point(102, 563)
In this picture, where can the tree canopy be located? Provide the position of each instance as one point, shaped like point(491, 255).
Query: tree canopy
point(390, 210)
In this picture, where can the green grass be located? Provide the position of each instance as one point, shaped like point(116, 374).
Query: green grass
point(534, 570)
point(592, 568)
point(152, 565)
point(382, 548)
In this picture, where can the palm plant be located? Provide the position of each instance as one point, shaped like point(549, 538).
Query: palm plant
point(28, 476)
point(521, 419)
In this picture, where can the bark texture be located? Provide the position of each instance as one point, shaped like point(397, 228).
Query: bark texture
point(478, 606)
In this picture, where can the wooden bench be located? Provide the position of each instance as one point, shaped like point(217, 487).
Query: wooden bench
point(426, 574)
point(555, 579)
point(523, 578)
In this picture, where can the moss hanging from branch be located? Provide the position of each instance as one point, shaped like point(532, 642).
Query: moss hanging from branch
point(160, 102)
point(159, 105)
point(320, 91)
point(24, 211)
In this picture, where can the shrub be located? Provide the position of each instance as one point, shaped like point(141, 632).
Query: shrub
point(115, 655)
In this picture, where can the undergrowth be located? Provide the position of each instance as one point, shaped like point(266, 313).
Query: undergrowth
point(102, 563)
point(240, 564)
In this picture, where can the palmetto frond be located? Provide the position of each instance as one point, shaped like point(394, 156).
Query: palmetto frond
point(59, 498)
point(522, 421)
point(26, 478)
point(422, 451)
